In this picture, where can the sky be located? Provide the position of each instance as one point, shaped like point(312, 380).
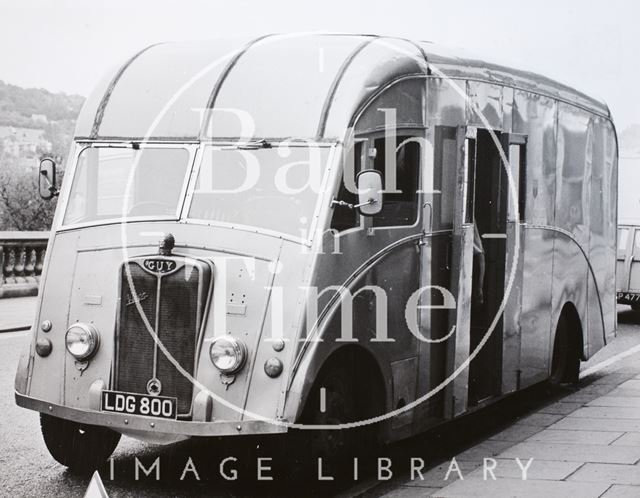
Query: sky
point(67, 45)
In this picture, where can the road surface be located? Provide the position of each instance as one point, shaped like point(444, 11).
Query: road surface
point(26, 469)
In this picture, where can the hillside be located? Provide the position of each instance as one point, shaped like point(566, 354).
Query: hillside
point(18, 106)
point(36, 122)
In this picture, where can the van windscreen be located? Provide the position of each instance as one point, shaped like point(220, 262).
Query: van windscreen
point(123, 183)
point(272, 188)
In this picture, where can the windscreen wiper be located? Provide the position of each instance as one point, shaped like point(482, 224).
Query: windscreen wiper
point(257, 144)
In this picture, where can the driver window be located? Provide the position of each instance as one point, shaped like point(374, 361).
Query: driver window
point(400, 205)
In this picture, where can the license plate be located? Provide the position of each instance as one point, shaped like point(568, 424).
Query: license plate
point(139, 404)
point(627, 296)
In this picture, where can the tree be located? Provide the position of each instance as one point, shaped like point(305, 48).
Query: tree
point(21, 208)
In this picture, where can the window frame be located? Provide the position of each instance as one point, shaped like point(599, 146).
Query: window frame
point(313, 226)
point(338, 185)
point(196, 150)
point(417, 132)
point(71, 172)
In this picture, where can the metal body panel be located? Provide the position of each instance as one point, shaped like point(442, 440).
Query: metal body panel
point(535, 315)
point(377, 65)
point(570, 285)
point(458, 64)
point(485, 105)
point(534, 116)
point(99, 254)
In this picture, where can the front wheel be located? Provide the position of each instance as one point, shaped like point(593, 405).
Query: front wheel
point(336, 400)
point(80, 447)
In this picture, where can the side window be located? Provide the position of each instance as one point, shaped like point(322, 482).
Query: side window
point(400, 204)
point(518, 161)
point(344, 217)
point(445, 169)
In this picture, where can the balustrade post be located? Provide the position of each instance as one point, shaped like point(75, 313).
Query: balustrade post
point(18, 269)
point(21, 259)
point(30, 264)
point(40, 254)
point(9, 267)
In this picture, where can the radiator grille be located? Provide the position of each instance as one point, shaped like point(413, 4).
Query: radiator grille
point(173, 304)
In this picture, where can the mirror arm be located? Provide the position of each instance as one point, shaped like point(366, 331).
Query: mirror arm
point(341, 203)
point(370, 201)
point(351, 206)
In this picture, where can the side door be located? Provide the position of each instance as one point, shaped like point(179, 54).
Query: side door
point(461, 257)
point(515, 148)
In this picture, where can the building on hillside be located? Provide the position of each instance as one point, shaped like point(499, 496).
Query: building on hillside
point(39, 118)
point(23, 142)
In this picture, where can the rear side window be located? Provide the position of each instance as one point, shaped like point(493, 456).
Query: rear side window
point(445, 164)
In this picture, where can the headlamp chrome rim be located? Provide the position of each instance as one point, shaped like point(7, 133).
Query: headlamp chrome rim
point(239, 354)
point(91, 333)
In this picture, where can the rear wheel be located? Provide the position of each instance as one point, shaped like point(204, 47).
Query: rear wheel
point(80, 447)
point(565, 365)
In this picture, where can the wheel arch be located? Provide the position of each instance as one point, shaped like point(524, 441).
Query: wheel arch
point(574, 329)
point(365, 367)
point(567, 347)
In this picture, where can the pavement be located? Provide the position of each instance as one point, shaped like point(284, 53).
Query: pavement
point(17, 313)
point(580, 443)
point(586, 444)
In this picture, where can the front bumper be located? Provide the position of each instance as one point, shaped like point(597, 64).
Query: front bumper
point(150, 425)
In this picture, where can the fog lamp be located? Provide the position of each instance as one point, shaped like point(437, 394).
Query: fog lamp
point(228, 354)
point(273, 367)
point(82, 340)
point(43, 347)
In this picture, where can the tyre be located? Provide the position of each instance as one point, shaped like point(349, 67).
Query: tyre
point(80, 447)
point(341, 403)
point(565, 365)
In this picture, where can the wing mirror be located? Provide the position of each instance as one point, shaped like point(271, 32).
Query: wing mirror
point(47, 179)
point(369, 192)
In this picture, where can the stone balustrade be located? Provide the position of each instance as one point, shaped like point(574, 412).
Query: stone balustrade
point(21, 259)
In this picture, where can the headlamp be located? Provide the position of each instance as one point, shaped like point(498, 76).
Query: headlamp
point(228, 354)
point(82, 340)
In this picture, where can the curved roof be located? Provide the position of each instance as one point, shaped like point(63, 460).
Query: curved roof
point(305, 86)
